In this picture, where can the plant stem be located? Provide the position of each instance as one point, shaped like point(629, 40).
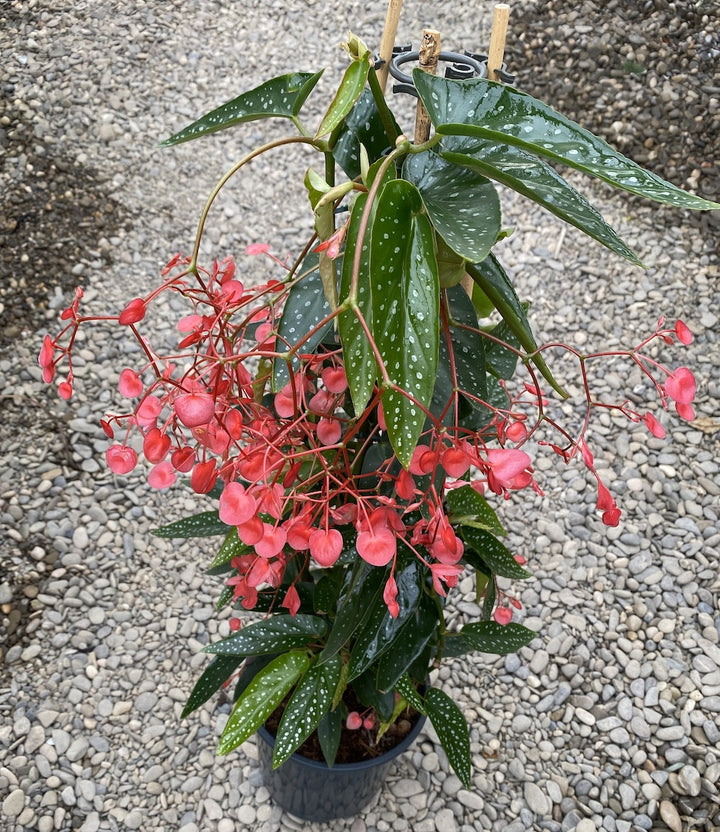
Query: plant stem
point(223, 181)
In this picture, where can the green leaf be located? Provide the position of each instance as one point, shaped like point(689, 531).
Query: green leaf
point(325, 595)
point(491, 637)
point(367, 692)
point(358, 357)
point(261, 697)
point(232, 547)
point(468, 508)
point(329, 732)
point(305, 306)
point(347, 94)
point(361, 127)
point(462, 205)
point(497, 556)
point(357, 598)
point(491, 278)
point(451, 727)
point(536, 180)
point(380, 629)
point(273, 635)
point(502, 361)
point(282, 97)
point(310, 701)
point(416, 632)
point(489, 110)
point(225, 597)
point(405, 310)
point(214, 676)
point(205, 524)
point(405, 687)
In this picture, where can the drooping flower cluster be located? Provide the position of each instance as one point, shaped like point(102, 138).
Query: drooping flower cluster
point(302, 475)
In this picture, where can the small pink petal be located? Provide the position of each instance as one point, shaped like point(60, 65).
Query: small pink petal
point(121, 459)
point(162, 475)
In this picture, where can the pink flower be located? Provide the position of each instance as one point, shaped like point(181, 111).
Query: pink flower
point(606, 504)
point(455, 461)
point(121, 459)
point(236, 505)
point(654, 426)
point(45, 359)
point(680, 386)
point(444, 573)
point(183, 459)
point(162, 476)
point(329, 431)
point(291, 601)
point(257, 248)
point(334, 379)
point(376, 547)
point(354, 721)
point(272, 541)
point(390, 597)
point(203, 476)
point(508, 469)
point(133, 312)
point(194, 409)
point(503, 615)
point(148, 410)
point(130, 384)
point(325, 546)
point(683, 333)
point(156, 445)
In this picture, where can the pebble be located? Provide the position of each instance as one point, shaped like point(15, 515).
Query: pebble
point(14, 803)
point(670, 816)
point(537, 800)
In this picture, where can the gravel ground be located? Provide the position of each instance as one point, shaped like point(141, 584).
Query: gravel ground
point(610, 720)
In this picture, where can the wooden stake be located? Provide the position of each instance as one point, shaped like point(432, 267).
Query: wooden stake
point(388, 40)
point(497, 40)
point(429, 53)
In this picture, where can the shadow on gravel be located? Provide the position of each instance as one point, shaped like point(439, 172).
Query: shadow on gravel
point(53, 215)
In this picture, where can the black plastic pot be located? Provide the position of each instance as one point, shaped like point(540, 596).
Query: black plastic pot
point(314, 792)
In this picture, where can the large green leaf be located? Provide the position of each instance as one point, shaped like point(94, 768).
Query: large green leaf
point(266, 691)
point(491, 637)
point(405, 687)
point(205, 524)
point(214, 676)
point(497, 556)
point(489, 110)
point(405, 310)
point(357, 599)
point(305, 306)
point(273, 635)
point(409, 644)
point(358, 357)
point(468, 508)
point(451, 727)
point(279, 97)
point(491, 278)
point(380, 629)
point(536, 180)
point(310, 701)
point(347, 94)
point(362, 126)
point(463, 206)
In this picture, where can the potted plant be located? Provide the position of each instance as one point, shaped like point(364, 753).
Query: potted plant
point(359, 418)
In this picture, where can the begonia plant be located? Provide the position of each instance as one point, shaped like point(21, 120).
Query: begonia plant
point(354, 426)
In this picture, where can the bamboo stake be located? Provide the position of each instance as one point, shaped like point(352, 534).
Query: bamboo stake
point(429, 53)
point(388, 40)
point(497, 40)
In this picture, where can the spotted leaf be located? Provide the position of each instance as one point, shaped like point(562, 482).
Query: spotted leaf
point(279, 97)
point(451, 727)
point(266, 691)
point(309, 703)
point(405, 303)
point(281, 632)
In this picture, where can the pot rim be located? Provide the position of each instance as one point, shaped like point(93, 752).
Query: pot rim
point(387, 757)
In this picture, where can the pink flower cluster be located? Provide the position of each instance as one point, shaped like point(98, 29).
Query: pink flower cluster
point(288, 460)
